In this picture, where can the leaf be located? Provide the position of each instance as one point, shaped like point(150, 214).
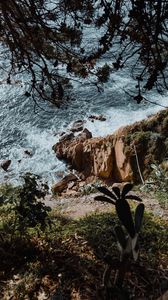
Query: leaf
point(120, 236)
point(133, 197)
point(139, 216)
point(105, 191)
point(135, 247)
point(116, 190)
point(126, 189)
point(124, 214)
point(104, 199)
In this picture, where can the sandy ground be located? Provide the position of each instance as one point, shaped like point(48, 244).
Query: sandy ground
point(78, 206)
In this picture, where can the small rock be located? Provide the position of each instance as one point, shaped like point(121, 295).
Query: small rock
point(99, 118)
point(60, 186)
point(28, 152)
point(5, 164)
point(77, 126)
point(62, 133)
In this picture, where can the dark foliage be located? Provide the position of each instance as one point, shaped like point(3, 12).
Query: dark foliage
point(43, 36)
point(30, 211)
point(24, 208)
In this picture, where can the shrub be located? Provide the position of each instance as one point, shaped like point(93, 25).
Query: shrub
point(21, 207)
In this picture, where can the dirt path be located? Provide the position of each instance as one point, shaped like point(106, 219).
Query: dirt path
point(78, 206)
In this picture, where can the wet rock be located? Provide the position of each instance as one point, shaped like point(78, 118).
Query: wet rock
point(84, 135)
point(28, 152)
point(77, 126)
point(99, 118)
point(66, 137)
point(5, 164)
point(62, 185)
point(62, 133)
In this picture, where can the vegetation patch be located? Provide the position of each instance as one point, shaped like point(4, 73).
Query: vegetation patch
point(68, 259)
point(149, 140)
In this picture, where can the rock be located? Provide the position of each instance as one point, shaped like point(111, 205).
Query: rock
point(114, 157)
point(63, 143)
point(62, 133)
point(71, 185)
point(66, 137)
point(84, 135)
point(99, 118)
point(66, 147)
point(123, 166)
point(5, 164)
point(28, 152)
point(60, 186)
point(77, 126)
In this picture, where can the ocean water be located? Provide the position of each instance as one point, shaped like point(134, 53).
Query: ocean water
point(22, 128)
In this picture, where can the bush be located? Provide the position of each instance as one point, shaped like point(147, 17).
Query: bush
point(21, 208)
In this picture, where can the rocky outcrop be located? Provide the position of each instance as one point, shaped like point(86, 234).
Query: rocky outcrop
point(117, 156)
point(70, 148)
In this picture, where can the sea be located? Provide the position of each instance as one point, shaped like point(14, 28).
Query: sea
point(27, 133)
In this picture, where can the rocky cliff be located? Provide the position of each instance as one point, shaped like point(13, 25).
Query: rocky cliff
point(116, 157)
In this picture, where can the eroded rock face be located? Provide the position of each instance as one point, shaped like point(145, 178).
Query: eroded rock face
point(114, 157)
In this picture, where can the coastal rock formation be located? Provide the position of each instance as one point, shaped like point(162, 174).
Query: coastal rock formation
point(123, 156)
point(70, 148)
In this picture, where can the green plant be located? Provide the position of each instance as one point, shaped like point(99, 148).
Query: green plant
point(30, 211)
point(159, 177)
point(159, 183)
point(127, 236)
point(87, 189)
point(23, 207)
